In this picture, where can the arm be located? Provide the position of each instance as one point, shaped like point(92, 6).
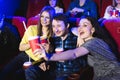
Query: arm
point(24, 44)
point(71, 6)
point(70, 54)
point(107, 12)
point(24, 47)
point(93, 10)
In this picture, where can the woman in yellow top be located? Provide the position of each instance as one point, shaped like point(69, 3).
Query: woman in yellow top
point(44, 28)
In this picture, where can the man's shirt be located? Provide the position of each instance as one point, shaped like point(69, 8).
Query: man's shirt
point(67, 67)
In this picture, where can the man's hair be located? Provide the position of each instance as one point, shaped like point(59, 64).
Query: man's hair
point(61, 17)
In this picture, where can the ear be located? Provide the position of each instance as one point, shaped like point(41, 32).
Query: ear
point(68, 25)
point(93, 30)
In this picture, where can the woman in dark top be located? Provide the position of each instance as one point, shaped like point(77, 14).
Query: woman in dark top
point(78, 8)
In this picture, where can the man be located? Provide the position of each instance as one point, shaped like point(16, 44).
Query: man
point(62, 39)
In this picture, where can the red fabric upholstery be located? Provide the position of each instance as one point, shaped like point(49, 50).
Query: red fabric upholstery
point(18, 22)
point(113, 26)
point(34, 7)
point(32, 21)
point(66, 4)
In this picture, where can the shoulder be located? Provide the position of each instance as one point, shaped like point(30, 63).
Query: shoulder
point(72, 35)
point(108, 7)
point(96, 42)
point(32, 26)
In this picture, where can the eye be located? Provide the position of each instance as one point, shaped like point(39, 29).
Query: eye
point(84, 25)
point(47, 17)
point(79, 25)
point(41, 16)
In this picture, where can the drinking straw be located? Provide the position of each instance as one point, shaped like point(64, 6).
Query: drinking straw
point(24, 25)
point(25, 30)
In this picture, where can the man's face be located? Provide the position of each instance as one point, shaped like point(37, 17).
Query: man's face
point(59, 28)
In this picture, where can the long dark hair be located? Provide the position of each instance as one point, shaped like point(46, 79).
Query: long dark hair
point(102, 33)
point(51, 12)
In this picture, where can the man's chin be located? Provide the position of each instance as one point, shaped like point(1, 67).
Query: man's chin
point(58, 35)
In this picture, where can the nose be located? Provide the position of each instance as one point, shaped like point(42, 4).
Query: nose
point(79, 28)
point(56, 30)
point(44, 19)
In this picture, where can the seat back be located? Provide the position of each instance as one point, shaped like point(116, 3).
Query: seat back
point(113, 26)
point(18, 22)
point(32, 21)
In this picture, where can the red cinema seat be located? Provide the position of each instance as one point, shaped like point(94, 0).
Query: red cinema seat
point(113, 26)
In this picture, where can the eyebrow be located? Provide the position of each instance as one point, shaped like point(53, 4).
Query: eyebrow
point(87, 23)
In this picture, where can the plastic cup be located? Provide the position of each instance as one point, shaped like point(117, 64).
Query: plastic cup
point(114, 13)
point(59, 50)
point(44, 40)
point(27, 65)
point(33, 41)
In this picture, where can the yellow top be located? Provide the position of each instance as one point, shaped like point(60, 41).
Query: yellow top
point(31, 31)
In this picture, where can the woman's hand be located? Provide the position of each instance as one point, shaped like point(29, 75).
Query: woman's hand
point(45, 46)
point(80, 41)
point(41, 53)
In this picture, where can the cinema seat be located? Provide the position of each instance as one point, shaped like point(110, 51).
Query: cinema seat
point(113, 26)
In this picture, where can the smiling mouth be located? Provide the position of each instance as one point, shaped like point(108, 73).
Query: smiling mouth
point(57, 32)
point(81, 33)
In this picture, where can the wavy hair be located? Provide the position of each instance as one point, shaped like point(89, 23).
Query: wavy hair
point(51, 12)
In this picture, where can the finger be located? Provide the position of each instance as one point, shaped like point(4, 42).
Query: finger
point(48, 66)
point(40, 46)
point(43, 67)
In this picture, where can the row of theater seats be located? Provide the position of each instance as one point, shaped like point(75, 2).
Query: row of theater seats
point(34, 6)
